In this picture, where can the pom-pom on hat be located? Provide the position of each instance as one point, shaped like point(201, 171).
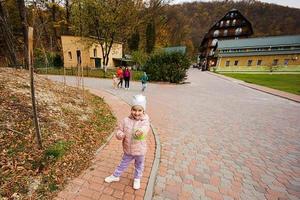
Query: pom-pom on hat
point(139, 100)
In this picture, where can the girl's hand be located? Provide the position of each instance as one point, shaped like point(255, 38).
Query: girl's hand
point(120, 135)
point(138, 133)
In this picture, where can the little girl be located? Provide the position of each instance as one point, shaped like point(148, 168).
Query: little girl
point(133, 131)
point(115, 81)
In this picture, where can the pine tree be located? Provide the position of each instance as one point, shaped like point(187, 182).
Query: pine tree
point(133, 42)
point(150, 36)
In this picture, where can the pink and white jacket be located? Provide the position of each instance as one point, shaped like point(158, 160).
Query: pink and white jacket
point(125, 131)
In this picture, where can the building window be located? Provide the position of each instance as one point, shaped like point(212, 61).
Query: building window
point(216, 33)
point(221, 23)
point(95, 52)
point(70, 55)
point(78, 53)
point(227, 22)
point(227, 63)
point(249, 63)
point(236, 62)
point(233, 22)
point(286, 62)
point(214, 42)
point(225, 33)
point(259, 62)
point(275, 62)
point(232, 15)
point(238, 31)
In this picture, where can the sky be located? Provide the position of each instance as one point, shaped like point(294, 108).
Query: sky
point(290, 3)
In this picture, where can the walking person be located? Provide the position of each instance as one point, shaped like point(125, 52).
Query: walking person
point(133, 131)
point(120, 77)
point(126, 76)
point(144, 80)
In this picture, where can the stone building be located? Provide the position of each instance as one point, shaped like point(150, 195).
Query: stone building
point(87, 52)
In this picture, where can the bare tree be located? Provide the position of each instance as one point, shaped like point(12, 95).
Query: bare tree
point(7, 35)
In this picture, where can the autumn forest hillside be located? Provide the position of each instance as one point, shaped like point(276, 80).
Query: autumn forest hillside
point(188, 22)
point(139, 26)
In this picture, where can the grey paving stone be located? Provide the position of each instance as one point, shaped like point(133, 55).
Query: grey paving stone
point(267, 179)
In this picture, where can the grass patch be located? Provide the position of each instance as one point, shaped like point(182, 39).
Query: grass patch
point(57, 150)
point(87, 72)
point(284, 82)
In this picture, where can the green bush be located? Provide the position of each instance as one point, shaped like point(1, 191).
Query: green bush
point(168, 67)
point(54, 59)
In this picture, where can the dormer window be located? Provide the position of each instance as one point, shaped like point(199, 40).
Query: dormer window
point(216, 33)
point(238, 31)
point(227, 22)
point(233, 22)
point(225, 33)
point(232, 15)
point(221, 23)
point(214, 42)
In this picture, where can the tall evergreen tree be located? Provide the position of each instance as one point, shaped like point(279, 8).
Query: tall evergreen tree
point(134, 40)
point(150, 36)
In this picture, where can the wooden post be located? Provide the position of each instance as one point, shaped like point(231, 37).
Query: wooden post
point(30, 65)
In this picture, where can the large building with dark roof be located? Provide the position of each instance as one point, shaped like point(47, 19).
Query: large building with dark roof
point(259, 52)
point(232, 26)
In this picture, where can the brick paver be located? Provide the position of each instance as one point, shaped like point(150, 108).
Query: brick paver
point(221, 140)
point(90, 184)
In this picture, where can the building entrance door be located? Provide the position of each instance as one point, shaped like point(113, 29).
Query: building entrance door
point(97, 62)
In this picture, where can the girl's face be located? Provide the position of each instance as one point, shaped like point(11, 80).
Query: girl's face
point(137, 112)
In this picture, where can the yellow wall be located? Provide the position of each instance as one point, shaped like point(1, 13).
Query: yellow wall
point(294, 60)
point(70, 44)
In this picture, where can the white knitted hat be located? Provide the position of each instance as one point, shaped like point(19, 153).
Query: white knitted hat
point(139, 100)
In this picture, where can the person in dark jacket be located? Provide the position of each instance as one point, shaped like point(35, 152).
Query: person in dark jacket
point(126, 75)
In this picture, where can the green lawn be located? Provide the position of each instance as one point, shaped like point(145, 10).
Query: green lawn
point(284, 82)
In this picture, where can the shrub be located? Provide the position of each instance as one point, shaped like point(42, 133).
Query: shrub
point(54, 59)
point(168, 67)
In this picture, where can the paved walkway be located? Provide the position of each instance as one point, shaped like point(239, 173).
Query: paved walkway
point(90, 184)
point(220, 139)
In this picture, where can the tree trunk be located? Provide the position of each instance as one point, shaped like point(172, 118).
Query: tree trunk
point(42, 21)
point(7, 36)
point(22, 12)
point(53, 14)
point(67, 4)
point(28, 54)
